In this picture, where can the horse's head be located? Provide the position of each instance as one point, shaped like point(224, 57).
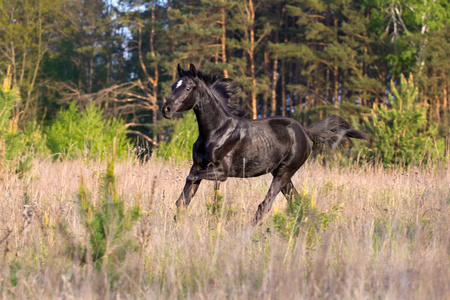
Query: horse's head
point(183, 93)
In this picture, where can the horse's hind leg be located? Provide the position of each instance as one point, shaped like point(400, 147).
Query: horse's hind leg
point(289, 191)
point(265, 206)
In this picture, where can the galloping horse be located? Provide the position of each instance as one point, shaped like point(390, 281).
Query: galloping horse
point(231, 146)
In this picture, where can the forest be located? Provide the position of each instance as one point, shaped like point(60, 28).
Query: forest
point(90, 170)
point(112, 63)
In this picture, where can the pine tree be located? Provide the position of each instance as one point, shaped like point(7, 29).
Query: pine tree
point(250, 32)
point(398, 132)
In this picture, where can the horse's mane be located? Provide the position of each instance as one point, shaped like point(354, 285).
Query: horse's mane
point(226, 89)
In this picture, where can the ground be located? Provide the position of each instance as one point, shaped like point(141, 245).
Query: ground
point(390, 237)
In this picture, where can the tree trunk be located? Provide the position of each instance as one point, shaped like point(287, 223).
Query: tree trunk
point(344, 86)
point(251, 53)
point(253, 91)
point(283, 88)
point(274, 87)
point(90, 74)
point(224, 40)
point(445, 102)
point(336, 69)
point(156, 72)
point(291, 94)
point(267, 73)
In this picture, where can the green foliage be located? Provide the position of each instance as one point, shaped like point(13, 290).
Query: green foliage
point(291, 57)
point(214, 207)
point(303, 215)
point(109, 222)
point(288, 222)
point(399, 132)
point(15, 142)
point(34, 139)
point(9, 98)
point(85, 133)
point(14, 267)
point(27, 29)
point(24, 167)
point(30, 141)
point(182, 138)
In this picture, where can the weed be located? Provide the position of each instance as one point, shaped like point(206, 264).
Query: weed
point(14, 267)
point(109, 223)
point(24, 167)
point(390, 242)
point(303, 215)
point(215, 206)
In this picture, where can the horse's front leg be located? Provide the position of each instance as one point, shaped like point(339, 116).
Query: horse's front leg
point(193, 181)
point(189, 190)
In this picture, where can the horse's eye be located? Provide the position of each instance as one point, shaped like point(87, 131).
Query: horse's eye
point(188, 89)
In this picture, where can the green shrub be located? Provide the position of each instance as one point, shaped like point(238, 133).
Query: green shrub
point(399, 133)
point(35, 139)
point(15, 143)
point(9, 97)
point(85, 133)
point(302, 215)
point(182, 138)
point(216, 207)
point(108, 223)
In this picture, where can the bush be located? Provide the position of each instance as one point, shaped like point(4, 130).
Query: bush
point(182, 138)
point(399, 133)
point(109, 222)
point(13, 141)
point(85, 133)
point(9, 97)
point(302, 215)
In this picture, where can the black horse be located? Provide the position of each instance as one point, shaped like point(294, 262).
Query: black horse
point(231, 146)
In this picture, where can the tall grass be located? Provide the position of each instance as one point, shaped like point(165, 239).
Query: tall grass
point(390, 237)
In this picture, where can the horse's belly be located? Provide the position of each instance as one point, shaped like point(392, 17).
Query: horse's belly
point(254, 166)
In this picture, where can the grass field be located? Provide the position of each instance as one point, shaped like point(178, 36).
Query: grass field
point(388, 235)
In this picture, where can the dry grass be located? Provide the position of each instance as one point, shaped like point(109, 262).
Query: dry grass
point(390, 241)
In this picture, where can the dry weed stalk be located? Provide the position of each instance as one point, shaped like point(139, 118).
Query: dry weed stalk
point(391, 239)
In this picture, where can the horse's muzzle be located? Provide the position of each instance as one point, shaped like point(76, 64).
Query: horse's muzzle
point(166, 111)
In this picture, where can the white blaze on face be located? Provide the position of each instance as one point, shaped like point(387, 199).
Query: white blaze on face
point(180, 82)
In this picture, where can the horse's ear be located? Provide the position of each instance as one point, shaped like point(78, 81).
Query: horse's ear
point(180, 70)
point(193, 70)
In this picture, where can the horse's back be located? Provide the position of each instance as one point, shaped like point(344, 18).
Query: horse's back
point(283, 129)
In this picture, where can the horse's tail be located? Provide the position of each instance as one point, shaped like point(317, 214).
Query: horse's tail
point(333, 131)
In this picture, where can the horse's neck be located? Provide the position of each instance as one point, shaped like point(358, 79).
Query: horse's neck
point(210, 114)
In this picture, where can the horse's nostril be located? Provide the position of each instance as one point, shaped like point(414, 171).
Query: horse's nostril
point(167, 109)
